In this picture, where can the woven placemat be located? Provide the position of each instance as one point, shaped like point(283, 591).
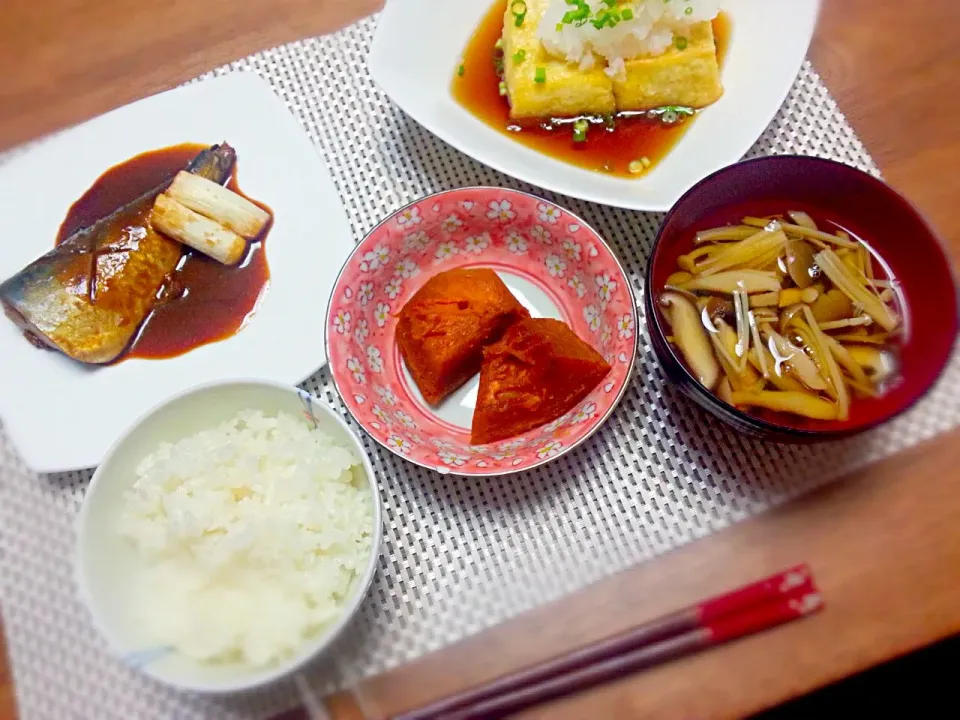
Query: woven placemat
point(460, 555)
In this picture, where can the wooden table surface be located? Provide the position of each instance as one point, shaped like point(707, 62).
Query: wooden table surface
point(884, 543)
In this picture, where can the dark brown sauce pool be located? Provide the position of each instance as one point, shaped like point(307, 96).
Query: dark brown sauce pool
point(609, 151)
point(202, 301)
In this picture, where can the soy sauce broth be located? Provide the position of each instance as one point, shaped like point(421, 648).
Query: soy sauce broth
point(609, 151)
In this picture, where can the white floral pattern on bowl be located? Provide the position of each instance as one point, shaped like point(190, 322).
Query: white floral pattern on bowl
point(510, 232)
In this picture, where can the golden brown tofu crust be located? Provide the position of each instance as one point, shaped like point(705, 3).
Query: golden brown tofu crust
point(689, 77)
point(567, 90)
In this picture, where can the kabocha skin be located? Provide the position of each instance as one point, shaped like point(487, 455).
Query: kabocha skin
point(538, 371)
point(443, 328)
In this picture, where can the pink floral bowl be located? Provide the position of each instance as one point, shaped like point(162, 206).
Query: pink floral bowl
point(552, 261)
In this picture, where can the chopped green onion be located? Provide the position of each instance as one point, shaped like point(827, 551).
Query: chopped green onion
point(461, 70)
point(578, 16)
point(580, 130)
point(670, 114)
point(519, 55)
point(627, 14)
point(519, 10)
point(606, 18)
point(688, 11)
point(503, 88)
point(540, 76)
point(681, 43)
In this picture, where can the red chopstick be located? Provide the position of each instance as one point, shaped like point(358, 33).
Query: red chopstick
point(746, 622)
point(761, 605)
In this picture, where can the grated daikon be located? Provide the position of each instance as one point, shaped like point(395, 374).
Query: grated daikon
point(651, 28)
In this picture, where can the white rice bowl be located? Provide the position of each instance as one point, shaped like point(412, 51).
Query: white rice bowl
point(225, 540)
point(252, 532)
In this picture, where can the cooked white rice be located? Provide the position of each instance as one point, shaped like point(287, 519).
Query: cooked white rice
point(651, 31)
point(253, 534)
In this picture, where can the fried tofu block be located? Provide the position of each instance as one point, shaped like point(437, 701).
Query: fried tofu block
point(443, 328)
point(538, 371)
point(566, 91)
point(689, 77)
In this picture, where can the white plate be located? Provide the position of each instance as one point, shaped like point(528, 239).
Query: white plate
point(418, 45)
point(62, 415)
